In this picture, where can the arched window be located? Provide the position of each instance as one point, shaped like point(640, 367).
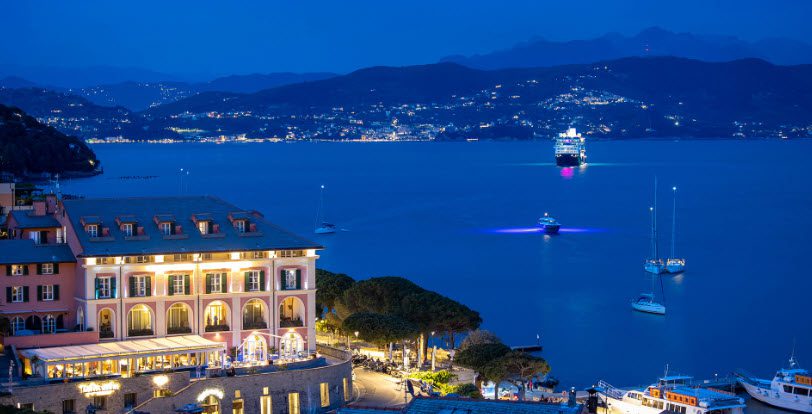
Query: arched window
point(216, 317)
point(178, 319)
point(33, 323)
point(291, 312)
point(139, 321)
point(17, 324)
point(253, 315)
point(48, 324)
point(106, 323)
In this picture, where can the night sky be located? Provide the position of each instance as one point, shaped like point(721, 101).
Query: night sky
point(224, 37)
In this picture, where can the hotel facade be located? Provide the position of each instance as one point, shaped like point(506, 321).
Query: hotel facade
point(99, 288)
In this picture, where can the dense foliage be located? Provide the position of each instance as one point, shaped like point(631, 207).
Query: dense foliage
point(30, 147)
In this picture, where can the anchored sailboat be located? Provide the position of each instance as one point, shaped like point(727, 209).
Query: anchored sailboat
point(654, 264)
point(322, 225)
point(674, 264)
point(645, 302)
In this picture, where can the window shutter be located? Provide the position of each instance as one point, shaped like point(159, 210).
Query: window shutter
point(25, 293)
point(186, 284)
point(56, 292)
point(247, 281)
point(25, 270)
point(113, 287)
point(97, 288)
point(298, 278)
point(8, 294)
point(8, 270)
point(208, 282)
point(39, 268)
point(148, 288)
point(39, 293)
point(261, 280)
point(171, 228)
point(56, 268)
point(132, 286)
point(171, 281)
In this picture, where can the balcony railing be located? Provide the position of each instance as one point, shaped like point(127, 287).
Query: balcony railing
point(172, 330)
point(290, 322)
point(140, 332)
point(106, 333)
point(254, 325)
point(217, 328)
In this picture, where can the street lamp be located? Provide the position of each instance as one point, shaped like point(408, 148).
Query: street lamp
point(433, 353)
point(356, 337)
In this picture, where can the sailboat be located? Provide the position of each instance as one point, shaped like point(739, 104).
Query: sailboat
point(654, 264)
point(322, 225)
point(674, 264)
point(645, 302)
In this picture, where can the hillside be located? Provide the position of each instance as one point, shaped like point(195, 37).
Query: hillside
point(653, 41)
point(30, 147)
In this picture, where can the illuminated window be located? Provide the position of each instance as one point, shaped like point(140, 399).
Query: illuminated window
point(291, 278)
point(236, 404)
point(18, 270)
point(18, 294)
point(253, 282)
point(203, 226)
point(325, 394)
point(166, 228)
point(104, 288)
point(216, 283)
point(293, 403)
point(265, 402)
point(240, 226)
point(127, 228)
point(47, 268)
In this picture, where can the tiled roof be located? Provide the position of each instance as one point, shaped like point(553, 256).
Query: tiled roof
point(26, 251)
point(26, 221)
point(267, 236)
point(423, 405)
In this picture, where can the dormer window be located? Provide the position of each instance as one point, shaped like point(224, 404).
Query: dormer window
point(203, 226)
point(166, 228)
point(92, 230)
point(240, 226)
point(127, 229)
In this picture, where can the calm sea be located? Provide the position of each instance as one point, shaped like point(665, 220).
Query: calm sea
point(453, 217)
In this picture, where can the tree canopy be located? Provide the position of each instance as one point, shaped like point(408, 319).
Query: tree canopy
point(379, 328)
point(331, 287)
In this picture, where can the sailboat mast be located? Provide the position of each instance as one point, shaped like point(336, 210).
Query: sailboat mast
point(674, 224)
point(320, 208)
point(654, 224)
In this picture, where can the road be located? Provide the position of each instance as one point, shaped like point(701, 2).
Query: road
point(377, 390)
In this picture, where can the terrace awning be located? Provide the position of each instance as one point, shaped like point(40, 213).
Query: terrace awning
point(138, 348)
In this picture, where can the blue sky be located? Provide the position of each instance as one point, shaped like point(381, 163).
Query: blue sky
point(221, 37)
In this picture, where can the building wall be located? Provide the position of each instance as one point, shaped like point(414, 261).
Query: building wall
point(65, 306)
point(306, 382)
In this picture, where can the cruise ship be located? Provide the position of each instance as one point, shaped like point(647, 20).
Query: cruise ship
point(569, 149)
point(673, 394)
point(790, 389)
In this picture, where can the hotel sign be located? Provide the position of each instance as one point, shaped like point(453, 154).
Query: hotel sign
point(97, 389)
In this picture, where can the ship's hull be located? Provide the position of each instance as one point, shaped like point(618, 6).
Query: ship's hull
point(568, 160)
point(779, 399)
point(550, 228)
point(656, 268)
point(646, 308)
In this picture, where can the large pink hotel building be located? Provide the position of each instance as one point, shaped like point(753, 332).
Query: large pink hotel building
point(191, 271)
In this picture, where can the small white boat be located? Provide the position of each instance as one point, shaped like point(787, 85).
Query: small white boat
point(654, 264)
point(674, 264)
point(790, 389)
point(645, 303)
point(549, 225)
point(323, 226)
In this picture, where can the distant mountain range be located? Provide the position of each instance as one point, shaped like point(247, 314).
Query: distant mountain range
point(653, 41)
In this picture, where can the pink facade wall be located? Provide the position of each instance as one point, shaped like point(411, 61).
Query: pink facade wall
point(46, 340)
point(65, 306)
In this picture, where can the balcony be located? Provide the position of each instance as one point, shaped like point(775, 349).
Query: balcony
point(59, 338)
point(248, 325)
point(290, 322)
point(217, 328)
point(106, 332)
point(174, 330)
point(140, 332)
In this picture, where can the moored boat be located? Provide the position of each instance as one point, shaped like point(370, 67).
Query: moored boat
point(674, 264)
point(323, 226)
point(673, 394)
point(790, 388)
point(645, 303)
point(654, 264)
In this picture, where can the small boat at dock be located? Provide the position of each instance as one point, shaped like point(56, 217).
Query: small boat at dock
point(790, 389)
point(672, 394)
